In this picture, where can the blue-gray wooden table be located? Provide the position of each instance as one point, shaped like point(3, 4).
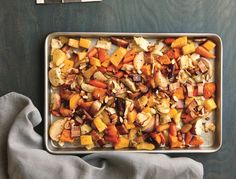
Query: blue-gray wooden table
point(24, 26)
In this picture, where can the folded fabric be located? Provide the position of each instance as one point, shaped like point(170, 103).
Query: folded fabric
point(22, 154)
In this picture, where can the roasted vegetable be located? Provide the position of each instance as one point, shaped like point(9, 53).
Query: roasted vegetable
point(73, 43)
point(179, 42)
point(117, 56)
point(58, 57)
point(55, 77)
point(139, 62)
point(99, 93)
point(119, 42)
point(121, 143)
point(174, 142)
point(68, 64)
point(179, 93)
point(95, 62)
point(95, 107)
point(88, 88)
point(209, 90)
point(203, 52)
point(99, 76)
point(209, 45)
point(75, 131)
point(196, 141)
point(164, 60)
point(132, 116)
point(88, 73)
point(92, 52)
point(85, 129)
point(100, 125)
point(85, 43)
point(189, 48)
point(103, 44)
point(145, 146)
point(66, 136)
point(55, 101)
point(103, 55)
point(129, 84)
point(98, 84)
point(142, 43)
point(161, 80)
point(86, 140)
point(120, 106)
point(129, 56)
point(74, 101)
point(111, 133)
point(122, 129)
point(210, 104)
point(56, 129)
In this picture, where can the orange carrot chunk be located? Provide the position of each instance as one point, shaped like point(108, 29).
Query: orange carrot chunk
point(92, 52)
point(169, 40)
point(165, 60)
point(99, 93)
point(129, 56)
point(119, 74)
point(209, 90)
point(102, 54)
point(204, 52)
point(98, 84)
point(66, 136)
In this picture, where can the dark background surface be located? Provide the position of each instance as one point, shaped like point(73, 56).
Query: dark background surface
point(24, 26)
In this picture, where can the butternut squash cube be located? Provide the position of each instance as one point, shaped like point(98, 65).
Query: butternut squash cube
point(85, 43)
point(129, 125)
point(95, 61)
point(122, 143)
point(179, 42)
point(172, 113)
point(117, 56)
point(74, 101)
point(189, 48)
point(86, 140)
point(145, 146)
point(132, 116)
point(210, 104)
point(81, 55)
point(209, 45)
point(100, 125)
point(68, 64)
point(73, 43)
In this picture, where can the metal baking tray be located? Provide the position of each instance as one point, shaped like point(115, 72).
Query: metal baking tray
point(213, 141)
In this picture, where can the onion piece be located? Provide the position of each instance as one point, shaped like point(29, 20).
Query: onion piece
point(173, 86)
point(200, 89)
point(190, 90)
point(202, 67)
point(142, 43)
point(180, 104)
point(150, 126)
point(139, 62)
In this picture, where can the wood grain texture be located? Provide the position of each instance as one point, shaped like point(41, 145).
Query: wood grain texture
point(25, 25)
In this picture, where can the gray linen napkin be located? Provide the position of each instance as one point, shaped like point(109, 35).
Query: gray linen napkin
point(22, 154)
